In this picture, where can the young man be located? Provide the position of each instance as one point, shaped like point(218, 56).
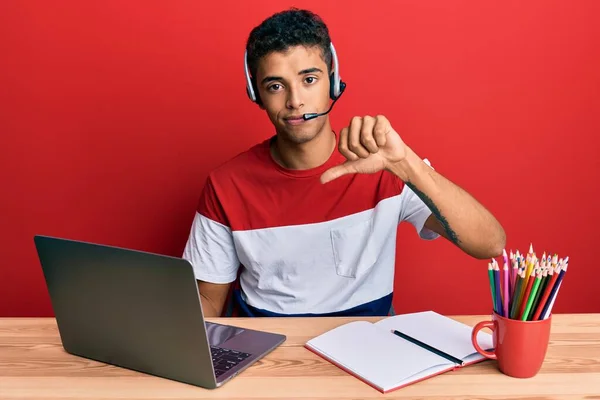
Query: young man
point(310, 215)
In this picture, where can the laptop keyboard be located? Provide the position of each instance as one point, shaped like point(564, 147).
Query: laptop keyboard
point(225, 359)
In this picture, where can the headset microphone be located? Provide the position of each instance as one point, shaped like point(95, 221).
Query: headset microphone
point(308, 116)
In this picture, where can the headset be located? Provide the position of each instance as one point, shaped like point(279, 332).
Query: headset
point(336, 85)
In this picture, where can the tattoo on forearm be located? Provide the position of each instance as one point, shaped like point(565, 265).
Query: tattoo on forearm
point(436, 212)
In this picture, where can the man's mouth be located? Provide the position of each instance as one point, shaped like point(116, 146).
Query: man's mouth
point(295, 120)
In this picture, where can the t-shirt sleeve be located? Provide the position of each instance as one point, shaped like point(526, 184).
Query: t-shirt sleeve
point(210, 247)
point(416, 212)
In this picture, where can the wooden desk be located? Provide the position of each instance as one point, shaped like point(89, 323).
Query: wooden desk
point(33, 365)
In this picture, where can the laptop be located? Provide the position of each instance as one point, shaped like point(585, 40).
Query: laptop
point(142, 311)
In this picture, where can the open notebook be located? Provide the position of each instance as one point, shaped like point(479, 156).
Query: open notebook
point(386, 361)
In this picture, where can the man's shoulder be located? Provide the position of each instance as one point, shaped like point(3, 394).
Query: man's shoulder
point(242, 163)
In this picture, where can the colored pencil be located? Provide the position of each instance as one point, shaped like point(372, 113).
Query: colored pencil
point(525, 297)
point(546, 294)
point(506, 289)
point(515, 304)
point(538, 295)
point(550, 302)
point(543, 258)
point(530, 266)
point(549, 273)
point(506, 265)
point(492, 288)
point(549, 310)
point(513, 276)
point(536, 285)
point(526, 264)
point(498, 292)
point(522, 299)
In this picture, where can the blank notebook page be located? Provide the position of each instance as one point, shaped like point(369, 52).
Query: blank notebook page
point(375, 354)
point(438, 331)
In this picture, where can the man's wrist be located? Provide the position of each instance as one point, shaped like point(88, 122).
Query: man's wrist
point(409, 168)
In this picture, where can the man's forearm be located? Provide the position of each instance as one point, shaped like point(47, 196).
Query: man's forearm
point(464, 220)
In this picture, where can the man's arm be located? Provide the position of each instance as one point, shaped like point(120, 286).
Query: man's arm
point(211, 251)
point(371, 145)
point(213, 297)
point(456, 215)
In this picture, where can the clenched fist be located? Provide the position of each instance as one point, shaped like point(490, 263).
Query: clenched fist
point(370, 145)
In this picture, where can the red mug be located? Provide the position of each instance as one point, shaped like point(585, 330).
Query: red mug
point(519, 346)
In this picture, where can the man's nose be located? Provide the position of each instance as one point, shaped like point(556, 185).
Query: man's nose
point(294, 98)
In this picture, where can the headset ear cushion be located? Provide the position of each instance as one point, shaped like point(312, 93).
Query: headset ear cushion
point(331, 86)
point(256, 95)
point(342, 87)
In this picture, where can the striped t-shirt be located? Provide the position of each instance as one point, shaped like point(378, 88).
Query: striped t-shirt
point(305, 248)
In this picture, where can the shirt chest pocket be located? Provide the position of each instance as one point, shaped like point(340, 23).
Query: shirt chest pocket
point(355, 248)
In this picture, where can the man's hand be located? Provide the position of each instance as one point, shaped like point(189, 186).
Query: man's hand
point(370, 145)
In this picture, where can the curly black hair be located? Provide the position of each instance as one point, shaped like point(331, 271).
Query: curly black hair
point(285, 29)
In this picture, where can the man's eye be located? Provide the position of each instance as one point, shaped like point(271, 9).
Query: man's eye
point(274, 87)
point(310, 79)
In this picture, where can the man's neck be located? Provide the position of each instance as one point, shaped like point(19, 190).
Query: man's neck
point(306, 155)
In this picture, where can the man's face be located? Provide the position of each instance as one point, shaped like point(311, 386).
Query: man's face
point(290, 84)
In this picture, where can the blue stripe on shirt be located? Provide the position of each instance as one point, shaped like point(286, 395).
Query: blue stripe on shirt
point(375, 308)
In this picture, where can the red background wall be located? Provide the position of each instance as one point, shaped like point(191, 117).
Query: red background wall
point(112, 113)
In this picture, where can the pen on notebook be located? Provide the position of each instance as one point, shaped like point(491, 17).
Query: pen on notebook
point(428, 347)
